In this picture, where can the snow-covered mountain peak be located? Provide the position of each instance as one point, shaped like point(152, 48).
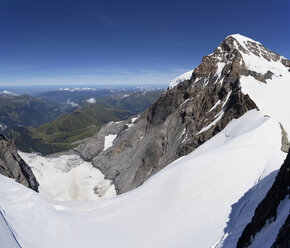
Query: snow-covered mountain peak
point(241, 74)
point(238, 55)
point(254, 54)
point(243, 39)
point(249, 46)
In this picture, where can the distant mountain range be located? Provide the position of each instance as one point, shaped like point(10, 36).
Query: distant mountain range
point(24, 110)
point(90, 110)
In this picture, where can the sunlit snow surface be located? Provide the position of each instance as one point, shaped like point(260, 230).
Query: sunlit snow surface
point(272, 97)
point(68, 178)
point(181, 78)
point(109, 140)
point(187, 204)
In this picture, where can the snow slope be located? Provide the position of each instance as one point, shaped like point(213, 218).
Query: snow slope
point(68, 178)
point(7, 238)
point(272, 97)
point(181, 78)
point(187, 204)
point(243, 211)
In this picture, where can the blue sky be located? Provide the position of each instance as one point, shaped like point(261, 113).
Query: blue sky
point(126, 42)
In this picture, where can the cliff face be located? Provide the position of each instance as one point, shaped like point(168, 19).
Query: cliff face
point(13, 166)
point(266, 211)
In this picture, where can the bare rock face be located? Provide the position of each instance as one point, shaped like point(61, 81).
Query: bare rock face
point(266, 211)
point(182, 119)
point(285, 142)
point(13, 166)
point(283, 240)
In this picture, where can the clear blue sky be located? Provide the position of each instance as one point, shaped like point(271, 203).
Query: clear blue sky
point(87, 41)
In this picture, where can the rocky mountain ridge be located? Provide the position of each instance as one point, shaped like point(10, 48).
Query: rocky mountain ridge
point(185, 116)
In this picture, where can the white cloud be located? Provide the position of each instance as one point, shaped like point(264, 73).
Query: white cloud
point(73, 104)
point(91, 100)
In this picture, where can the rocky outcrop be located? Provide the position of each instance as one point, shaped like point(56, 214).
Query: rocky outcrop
point(283, 239)
point(13, 166)
point(182, 119)
point(285, 142)
point(266, 211)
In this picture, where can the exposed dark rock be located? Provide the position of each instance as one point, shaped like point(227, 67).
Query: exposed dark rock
point(267, 209)
point(260, 77)
point(285, 62)
point(283, 239)
point(13, 166)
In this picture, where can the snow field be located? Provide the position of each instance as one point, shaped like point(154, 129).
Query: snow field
point(187, 204)
point(68, 178)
